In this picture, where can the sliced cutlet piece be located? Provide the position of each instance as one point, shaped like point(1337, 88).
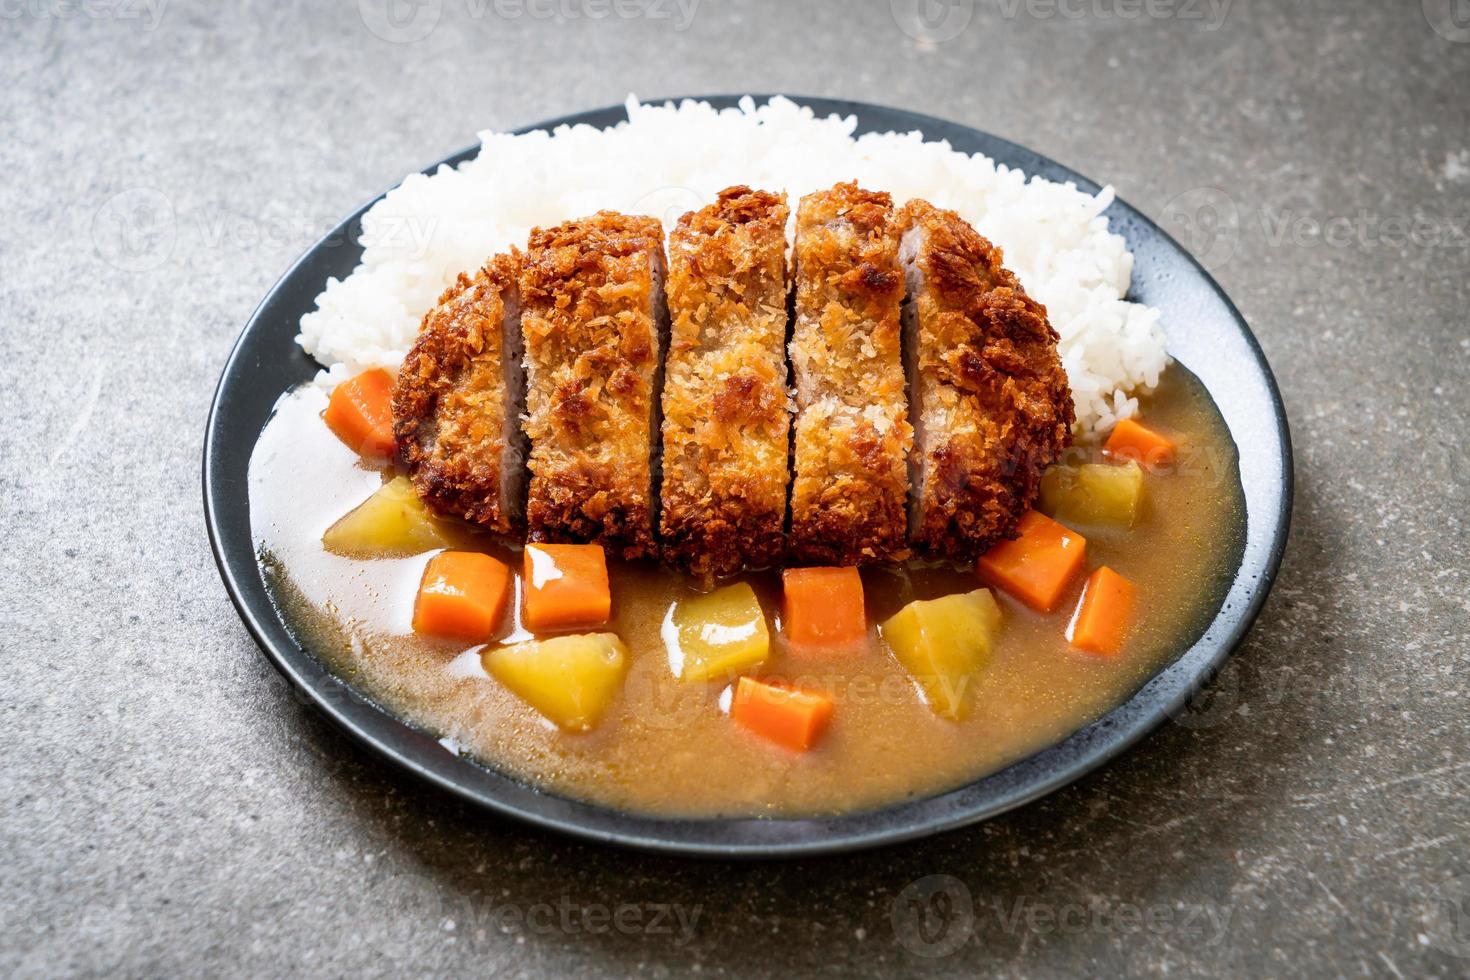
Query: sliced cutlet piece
point(595, 324)
point(852, 429)
point(457, 403)
point(726, 426)
point(991, 406)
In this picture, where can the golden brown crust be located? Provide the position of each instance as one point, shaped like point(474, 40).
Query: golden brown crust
point(991, 399)
point(591, 320)
point(852, 428)
point(451, 401)
point(726, 425)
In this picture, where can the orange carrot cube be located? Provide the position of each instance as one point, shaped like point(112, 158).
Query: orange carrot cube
point(1037, 566)
point(791, 718)
point(1133, 440)
point(566, 586)
point(462, 596)
point(1104, 614)
point(822, 609)
point(360, 412)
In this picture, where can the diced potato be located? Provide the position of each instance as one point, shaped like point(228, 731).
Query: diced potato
point(568, 679)
point(716, 636)
point(392, 523)
point(943, 643)
point(1093, 493)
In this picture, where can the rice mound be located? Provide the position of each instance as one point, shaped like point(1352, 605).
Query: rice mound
point(669, 159)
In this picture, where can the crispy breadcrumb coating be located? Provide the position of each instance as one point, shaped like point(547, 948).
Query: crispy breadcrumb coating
point(852, 428)
point(594, 325)
point(726, 426)
point(457, 401)
point(987, 396)
point(992, 409)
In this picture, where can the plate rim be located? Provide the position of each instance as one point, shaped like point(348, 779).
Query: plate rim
point(899, 822)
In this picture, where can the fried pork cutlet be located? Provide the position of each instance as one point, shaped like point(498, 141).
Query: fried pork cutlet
point(594, 325)
point(852, 428)
point(726, 425)
point(457, 403)
point(991, 405)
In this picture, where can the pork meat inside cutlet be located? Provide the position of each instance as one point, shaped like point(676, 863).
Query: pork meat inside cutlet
point(726, 426)
point(457, 403)
point(594, 322)
point(991, 405)
point(852, 428)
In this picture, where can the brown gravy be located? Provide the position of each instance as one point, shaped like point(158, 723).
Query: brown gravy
point(669, 748)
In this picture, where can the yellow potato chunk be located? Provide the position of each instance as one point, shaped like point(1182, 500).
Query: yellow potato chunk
point(943, 643)
point(716, 636)
point(392, 523)
point(1093, 493)
point(568, 679)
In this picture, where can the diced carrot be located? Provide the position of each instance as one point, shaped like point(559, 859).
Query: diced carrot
point(462, 596)
point(360, 412)
point(1036, 566)
point(1104, 614)
point(823, 609)
point(566, 586)
point(1133, 440)
point(789, 717)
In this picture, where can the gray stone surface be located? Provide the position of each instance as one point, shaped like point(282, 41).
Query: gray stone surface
point(170, 808)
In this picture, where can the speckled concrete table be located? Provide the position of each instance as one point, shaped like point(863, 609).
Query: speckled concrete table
point(170, 807)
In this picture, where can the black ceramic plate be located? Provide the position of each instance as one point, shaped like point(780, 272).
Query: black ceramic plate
point(1205, 333)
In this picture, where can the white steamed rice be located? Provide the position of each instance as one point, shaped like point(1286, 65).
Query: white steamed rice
point(669, 159)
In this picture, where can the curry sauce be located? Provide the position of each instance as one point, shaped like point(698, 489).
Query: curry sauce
point(668, 747)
